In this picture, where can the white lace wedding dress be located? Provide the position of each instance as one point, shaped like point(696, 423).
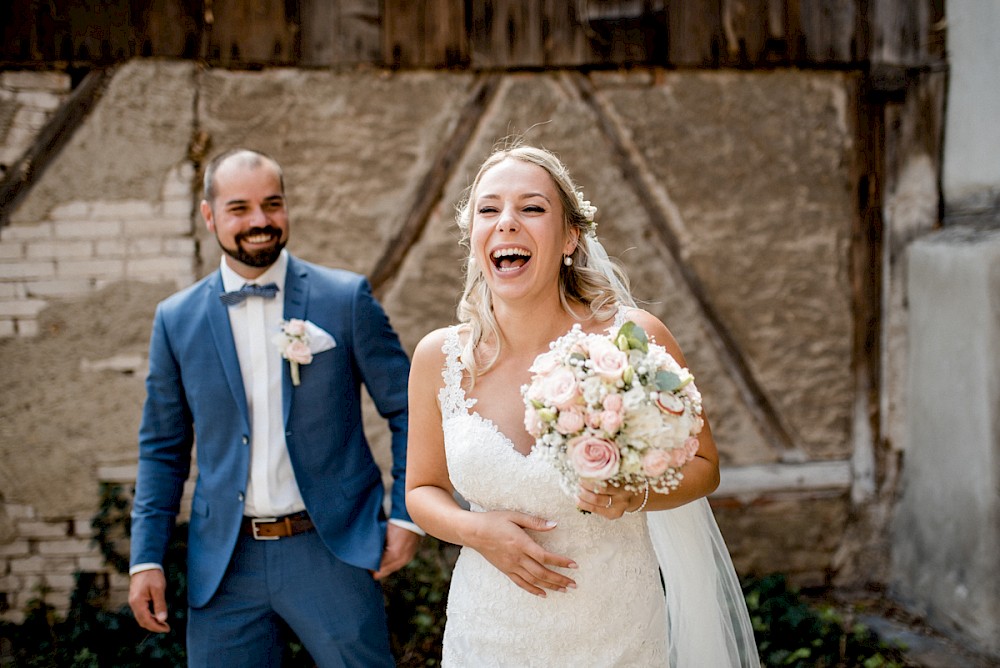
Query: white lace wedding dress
point(615, 616)
point(618, 614)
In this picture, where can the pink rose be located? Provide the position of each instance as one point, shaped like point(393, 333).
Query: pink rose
point(613, 402)
point(569, 422)
point(594, 419)
point(691, 446)
point(611, 421)
point(295, 328)
point(545, 363)
point(679, 457)
point(607, 360)
point(298, 352)
point(593, 457)
point(532, 422)
point(655, 463)
point(560, 388)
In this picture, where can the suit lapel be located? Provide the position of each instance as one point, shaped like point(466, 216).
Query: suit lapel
point(222, 335)
point(296, 300)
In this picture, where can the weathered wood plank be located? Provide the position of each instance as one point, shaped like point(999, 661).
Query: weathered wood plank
point(695, 34)
point(424, 34)
point(248, 32)
point(506, 33)
point(171, 28)
point(340, 33)
point(829, 31)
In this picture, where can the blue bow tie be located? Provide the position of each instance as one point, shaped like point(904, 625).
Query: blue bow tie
point(249, 290)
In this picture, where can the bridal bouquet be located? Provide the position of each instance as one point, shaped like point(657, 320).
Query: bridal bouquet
point(614, 408)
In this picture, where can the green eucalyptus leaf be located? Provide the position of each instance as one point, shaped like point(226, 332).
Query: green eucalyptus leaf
point(667, 381)
point(634, 336)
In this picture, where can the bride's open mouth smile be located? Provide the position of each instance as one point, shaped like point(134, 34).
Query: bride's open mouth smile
point(510, 259)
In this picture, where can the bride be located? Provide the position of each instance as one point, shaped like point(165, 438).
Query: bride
point(639, 579)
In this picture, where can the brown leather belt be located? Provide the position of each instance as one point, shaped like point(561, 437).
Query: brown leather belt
point(273, 528)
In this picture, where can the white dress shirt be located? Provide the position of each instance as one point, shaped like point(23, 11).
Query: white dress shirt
point(271, 488)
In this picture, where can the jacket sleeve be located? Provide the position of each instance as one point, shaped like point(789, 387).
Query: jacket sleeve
point(385, 370)
point(166, 437)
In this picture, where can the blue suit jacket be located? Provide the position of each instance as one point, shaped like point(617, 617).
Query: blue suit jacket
point(195, 397)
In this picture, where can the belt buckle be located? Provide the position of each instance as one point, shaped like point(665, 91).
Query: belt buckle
point(255, 523)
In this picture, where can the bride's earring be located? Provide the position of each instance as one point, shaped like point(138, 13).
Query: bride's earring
point(567, 260)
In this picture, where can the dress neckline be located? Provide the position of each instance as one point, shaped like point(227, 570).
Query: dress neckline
point(453, 399)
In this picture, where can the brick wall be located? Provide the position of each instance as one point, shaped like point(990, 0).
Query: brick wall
point(84, 245)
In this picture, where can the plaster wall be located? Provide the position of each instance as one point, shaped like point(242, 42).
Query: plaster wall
point(971, 180)
point(946, 532)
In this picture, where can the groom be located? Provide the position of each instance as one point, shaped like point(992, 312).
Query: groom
point(287, 519)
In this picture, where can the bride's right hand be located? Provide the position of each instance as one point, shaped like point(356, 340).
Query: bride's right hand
point(503, 540)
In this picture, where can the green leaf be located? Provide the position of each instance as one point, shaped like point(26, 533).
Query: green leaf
point(667, 381)
point(633, 337)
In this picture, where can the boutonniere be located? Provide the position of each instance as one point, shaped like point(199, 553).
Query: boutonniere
point(293, 342)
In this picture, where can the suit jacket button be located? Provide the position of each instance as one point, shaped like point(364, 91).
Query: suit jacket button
point(246, 440)
point(240, 496)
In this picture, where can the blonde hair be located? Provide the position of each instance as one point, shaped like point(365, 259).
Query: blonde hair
point(593, 279)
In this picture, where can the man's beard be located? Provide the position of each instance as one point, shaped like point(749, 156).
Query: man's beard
point(264, 257)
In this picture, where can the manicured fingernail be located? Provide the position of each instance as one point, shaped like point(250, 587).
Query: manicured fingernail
point(549, 524)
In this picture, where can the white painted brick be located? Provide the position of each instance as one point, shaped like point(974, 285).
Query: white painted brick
point(16, 548)
point(87, 229)
point(104, 248)
point(12, 291)
point(22, 308)
point(90, 563)
point(19, 511)
point(71, 211)
point(39, 529)
point(10, 583)
point(166, 267)
point(121, 473)
point(81, 527)
point(7, 329)
point(38, 269)
point(61, 582)
point(106, 268)
point(26, 232)
point(14, 616)
point(58, 288)
point(41, 100)
point(182, 246)
point(123, 210)
point(30, 118)
point(11, 250)
point(29, 80)
point(27, 328)
point(33, 565)
point(39, 250)
point(145, 246)
point(160, 227)
point(177, 208)
point(73, 547)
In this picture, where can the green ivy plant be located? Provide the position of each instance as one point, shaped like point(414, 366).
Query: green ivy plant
point(789, 631)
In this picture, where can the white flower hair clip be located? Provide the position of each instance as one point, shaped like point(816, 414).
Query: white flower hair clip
point(588, 210)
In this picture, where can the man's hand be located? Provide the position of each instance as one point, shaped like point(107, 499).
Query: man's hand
point(147, 598)
point(400, 547)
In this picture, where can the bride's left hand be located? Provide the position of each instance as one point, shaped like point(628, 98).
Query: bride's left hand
point(603, 499)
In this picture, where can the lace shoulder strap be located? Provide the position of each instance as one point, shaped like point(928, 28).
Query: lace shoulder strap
point(451, 396)
point(620, 314)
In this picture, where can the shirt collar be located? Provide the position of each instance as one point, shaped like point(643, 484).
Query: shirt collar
point(274, 274)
